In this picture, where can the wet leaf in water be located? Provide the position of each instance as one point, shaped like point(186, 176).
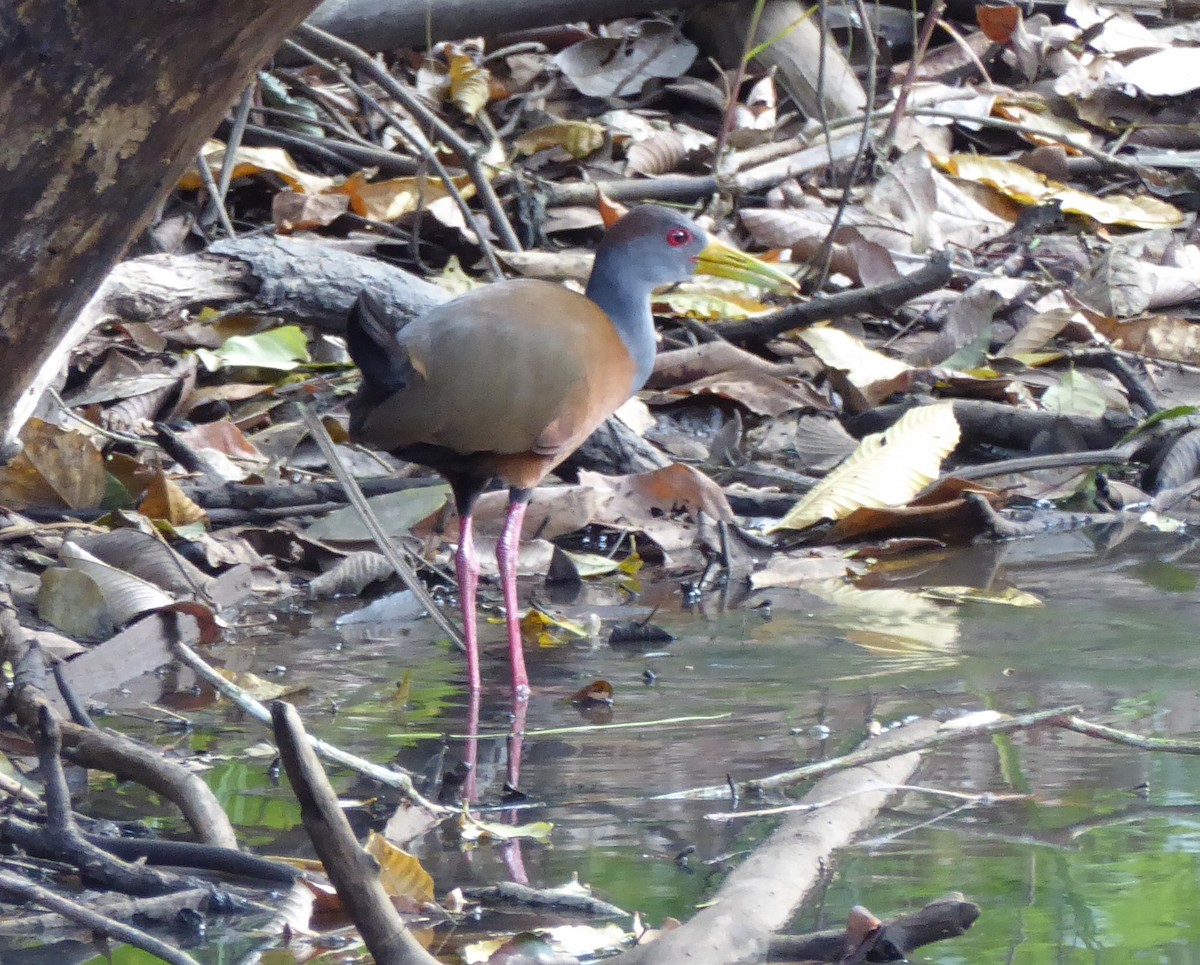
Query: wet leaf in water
point(597, 692)
point(400, 873)
point(473, 829)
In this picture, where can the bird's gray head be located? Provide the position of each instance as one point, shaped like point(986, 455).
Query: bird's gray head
point(651, 247)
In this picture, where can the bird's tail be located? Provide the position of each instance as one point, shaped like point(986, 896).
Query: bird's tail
point(371, 341)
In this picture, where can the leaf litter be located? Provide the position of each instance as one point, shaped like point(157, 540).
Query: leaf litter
point(1058, 125)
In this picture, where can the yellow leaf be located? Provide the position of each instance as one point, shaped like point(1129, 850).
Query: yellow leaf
point(473, 829)
point(1010, 596)
point(166, 501)
point(470, 84)
point(248, 161)
point(887, 469)
point(394, 198)
point(400, 873)
point(1028, 187)
point(1045, 128)
point(865, 376)
point(537, 621)
point(579, 138)
point(710, 303)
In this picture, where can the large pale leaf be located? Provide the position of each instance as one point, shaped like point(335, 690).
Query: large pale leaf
point(399, 512)
point(1075, 394)
point(256, 160)
point(125, 595)
point(887, 468)
point(56, 468)
point(864, 376)
point(1028, 187)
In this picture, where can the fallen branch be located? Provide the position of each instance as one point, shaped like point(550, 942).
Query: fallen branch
point(901, 742)
point(944, 918)
point(353, 872)
point(106, 750)
point(881, 300)
point(112, 907)
point(256, 709)
point(17, 888)
point(60, 839)
point(761, 894)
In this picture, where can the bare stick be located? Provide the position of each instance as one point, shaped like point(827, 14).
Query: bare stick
point(354, 873)
point(878, 752)
point(371, 521)
point(386, 776)
point(211, 187)
point(1100, 731)
point(16, 887)
point(411, 103)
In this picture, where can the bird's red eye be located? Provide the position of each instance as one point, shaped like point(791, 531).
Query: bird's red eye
point(678, 237)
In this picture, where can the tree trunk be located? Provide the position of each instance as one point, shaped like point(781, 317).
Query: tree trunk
point(103, 105)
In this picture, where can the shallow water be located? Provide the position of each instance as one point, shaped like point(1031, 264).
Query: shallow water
point(1101, 866)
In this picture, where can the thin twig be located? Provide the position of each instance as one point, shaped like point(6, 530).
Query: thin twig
point(1057, 460)
point(1100, 731)
point(984, 799)
point(910, 76)
point(359, 58)
point(16, 887)
point(233, 142)
point(825, 254)
point(402, 567)
point(421, 145)
point(873, 752)
point(210, 186)
point(386, 776)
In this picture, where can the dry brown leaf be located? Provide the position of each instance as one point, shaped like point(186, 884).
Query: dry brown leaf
point(164, 500)
point(998, 21)
point(224, 437)
point(470, 84)
point(942, 515)
point(56, 469)
point(760, 392)
point(650, 503)
point(1028, 187)
point(1160, 336)
point(660, 154)
point(296, 211)
point(621, 66)
point(394, 198)
point(256, 160)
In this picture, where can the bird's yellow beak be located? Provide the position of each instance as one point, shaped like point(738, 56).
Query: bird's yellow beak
point(725, 262)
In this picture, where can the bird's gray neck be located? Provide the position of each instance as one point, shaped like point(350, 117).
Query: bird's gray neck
point(626, 301)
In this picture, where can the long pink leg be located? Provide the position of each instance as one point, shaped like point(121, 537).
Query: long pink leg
point(511, 851)
point(466, 568)
point(516, 742)
point(472, 753)
point(506, 556)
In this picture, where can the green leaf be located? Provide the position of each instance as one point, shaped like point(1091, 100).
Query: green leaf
point(282, 349)
point(1075, 394)
point(398, 513)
